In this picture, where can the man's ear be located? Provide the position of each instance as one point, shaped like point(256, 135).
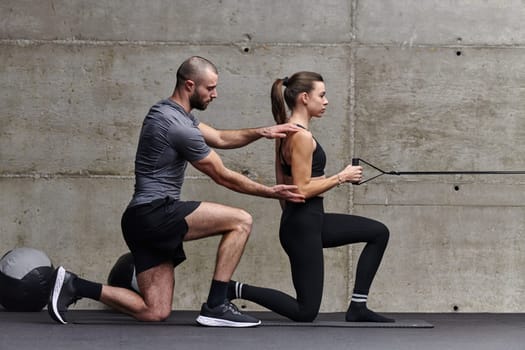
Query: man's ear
point(189, 85)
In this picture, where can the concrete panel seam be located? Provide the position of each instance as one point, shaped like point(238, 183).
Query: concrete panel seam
point(351, 131)
point(31, 42)
point(451, 205)
point(349, 44)
point(85, 176)
point(64, 176)
point(353, 19)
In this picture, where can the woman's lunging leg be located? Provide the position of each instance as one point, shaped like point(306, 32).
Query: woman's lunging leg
point(340, 229)
point(300, 236)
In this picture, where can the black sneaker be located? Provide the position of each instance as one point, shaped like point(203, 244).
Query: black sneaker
point(62, 294)
point(225, 315)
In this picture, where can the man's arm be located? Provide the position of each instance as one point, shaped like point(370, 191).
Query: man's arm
point(279, 175)
point(226, 139)
point(213, 166)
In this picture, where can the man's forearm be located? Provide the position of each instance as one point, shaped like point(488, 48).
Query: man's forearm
point(241, 137)
point(240, 183)
point(238, 138)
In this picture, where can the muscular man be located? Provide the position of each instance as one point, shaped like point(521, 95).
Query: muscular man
point(156, 221)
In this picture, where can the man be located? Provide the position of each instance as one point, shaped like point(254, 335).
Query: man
point(156, 221)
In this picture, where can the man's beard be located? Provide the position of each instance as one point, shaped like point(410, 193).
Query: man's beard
point(197, 103)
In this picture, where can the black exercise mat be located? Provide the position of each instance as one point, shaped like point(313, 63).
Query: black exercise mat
point(187, 318)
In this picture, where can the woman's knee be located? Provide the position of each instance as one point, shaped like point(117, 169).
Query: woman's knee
point(306, 315)
point(383, 233)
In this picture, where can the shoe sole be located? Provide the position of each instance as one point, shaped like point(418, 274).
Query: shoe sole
point(219, 322)
point(57, 287)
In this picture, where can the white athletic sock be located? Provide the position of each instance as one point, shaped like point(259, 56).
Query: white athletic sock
point(238, 290)
point(359, 298)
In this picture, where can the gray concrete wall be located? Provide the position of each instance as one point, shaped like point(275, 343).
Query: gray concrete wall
point(412, 85)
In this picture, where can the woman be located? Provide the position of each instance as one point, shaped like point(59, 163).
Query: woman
point(305, 228)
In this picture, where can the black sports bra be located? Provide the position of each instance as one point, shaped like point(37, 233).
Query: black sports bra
point(318, 160)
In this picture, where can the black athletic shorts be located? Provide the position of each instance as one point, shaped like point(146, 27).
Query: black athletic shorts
point(154, 232)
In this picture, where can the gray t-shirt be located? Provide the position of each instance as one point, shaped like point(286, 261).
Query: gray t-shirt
point(169, 138)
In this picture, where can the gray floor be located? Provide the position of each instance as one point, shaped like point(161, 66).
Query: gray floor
point(107, 330)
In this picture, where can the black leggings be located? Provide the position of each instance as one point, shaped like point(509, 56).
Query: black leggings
point(305, 230)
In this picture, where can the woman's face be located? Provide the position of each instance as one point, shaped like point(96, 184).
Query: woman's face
point(316, 102)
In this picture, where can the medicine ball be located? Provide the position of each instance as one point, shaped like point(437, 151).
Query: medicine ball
point(25, 279)
point(123, 273)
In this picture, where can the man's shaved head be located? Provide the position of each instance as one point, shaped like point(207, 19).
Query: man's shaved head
point(192, 68)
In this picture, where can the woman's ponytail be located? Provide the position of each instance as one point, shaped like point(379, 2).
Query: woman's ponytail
point(278, 104)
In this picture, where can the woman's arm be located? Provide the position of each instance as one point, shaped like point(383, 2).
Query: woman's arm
point(301, 150)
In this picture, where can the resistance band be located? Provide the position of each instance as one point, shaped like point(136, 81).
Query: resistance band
point(356, 161)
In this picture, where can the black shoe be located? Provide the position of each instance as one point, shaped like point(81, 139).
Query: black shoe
point(225, 315)
point(62, 294)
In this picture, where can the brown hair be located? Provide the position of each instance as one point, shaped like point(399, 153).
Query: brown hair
point(298, 83)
